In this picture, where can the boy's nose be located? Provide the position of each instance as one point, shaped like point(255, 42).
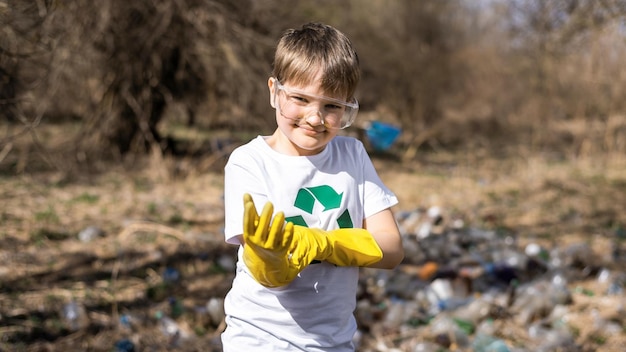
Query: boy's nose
point(315, 119)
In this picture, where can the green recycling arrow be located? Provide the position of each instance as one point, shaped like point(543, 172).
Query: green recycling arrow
point(297, 220)
point(326, 195)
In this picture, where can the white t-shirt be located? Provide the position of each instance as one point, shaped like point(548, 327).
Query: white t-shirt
point(337, 188)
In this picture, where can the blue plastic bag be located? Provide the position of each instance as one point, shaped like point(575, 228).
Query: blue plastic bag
point(381, 135)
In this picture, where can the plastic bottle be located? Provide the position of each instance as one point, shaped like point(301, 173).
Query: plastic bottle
point(603, 325)
point(487, 343)
point(127, 321)
point(577, 255)
point(476, 311)
point(169, 328)
point(426, 347)
point(177, 308)
point(558, 292)
point(614, 282)
point(171, 275)
point(90, 233)
point(504, 272)
point(534, 250)
point(215, 309)
point(436, 293)
point(227, 263)
point(397, 313)
point(450, 331)
point(124, 345)
point(529, 303)
point(550, 339)
point(74, 316)
point(510, 258)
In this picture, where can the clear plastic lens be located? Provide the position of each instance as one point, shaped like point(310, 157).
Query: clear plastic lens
point(298, 105)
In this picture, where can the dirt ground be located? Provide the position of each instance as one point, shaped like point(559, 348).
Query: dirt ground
point(156, 247)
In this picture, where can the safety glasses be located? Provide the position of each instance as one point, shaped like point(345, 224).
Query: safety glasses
point(299, 106)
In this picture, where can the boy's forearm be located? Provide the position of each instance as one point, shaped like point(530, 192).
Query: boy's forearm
point(384, 229)
point(392, 257)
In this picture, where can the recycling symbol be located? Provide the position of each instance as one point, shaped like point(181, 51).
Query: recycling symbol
point(327, 197)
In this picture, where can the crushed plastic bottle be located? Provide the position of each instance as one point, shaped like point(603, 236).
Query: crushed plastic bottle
point(215, 309)
point(548, 338)
point(613, 283)
point(426, 346)
point(177, 308)
point(474, 312)
point(574, 256)
point(487, 343)
point(448, 331)
point(399, 312)
point(169, 328)
point(132, 321)
point(602, 325)
point(227, 263)
point(127, 321)
point(74, 316)
point(90, 233)
point(171, 275)
point(124, 345)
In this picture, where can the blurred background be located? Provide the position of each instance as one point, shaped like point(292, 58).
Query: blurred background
point(187, 76)
point(117, 117)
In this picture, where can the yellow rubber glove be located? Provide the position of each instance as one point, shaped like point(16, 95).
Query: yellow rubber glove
point(275, 253)
point(342, 247)
point(267, 244)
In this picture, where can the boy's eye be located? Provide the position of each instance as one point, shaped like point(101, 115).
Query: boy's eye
point(299, 99)
point(333, 107)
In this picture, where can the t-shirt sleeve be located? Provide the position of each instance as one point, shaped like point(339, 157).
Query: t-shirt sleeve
point(239, 178)
point(377, 197)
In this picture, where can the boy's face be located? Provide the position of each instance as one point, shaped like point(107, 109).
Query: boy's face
point(306, 118)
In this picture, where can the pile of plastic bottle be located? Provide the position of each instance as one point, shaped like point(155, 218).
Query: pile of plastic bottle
point(467, 289)
point(459, 288)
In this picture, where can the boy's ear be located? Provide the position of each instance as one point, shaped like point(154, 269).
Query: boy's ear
point(271, 84)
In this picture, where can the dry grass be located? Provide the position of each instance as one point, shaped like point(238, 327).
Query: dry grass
point(534, 197)
point(152, 220)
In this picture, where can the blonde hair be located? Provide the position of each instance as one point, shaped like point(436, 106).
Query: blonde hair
point(302, 53)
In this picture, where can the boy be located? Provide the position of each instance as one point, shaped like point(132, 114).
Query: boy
point(297, 271)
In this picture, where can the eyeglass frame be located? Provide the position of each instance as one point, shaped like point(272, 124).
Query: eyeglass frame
point(354, 105)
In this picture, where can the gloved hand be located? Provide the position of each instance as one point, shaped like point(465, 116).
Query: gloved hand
point(276, 253)
point(267, 243)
